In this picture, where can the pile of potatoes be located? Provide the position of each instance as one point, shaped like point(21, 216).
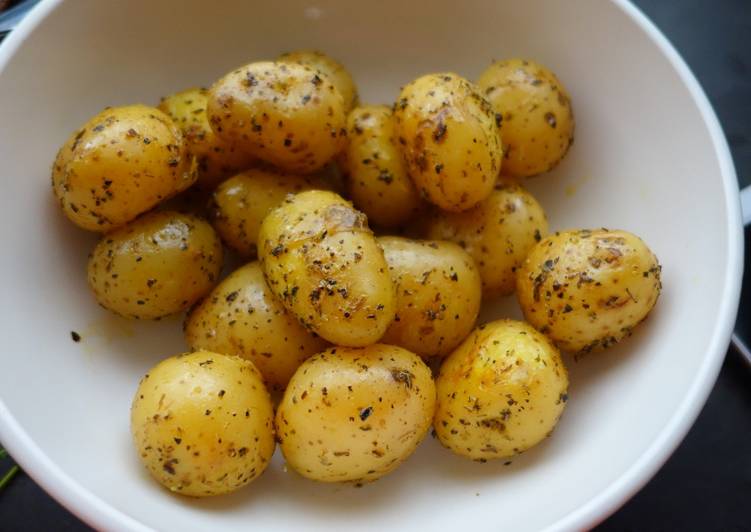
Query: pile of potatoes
point(333, 309)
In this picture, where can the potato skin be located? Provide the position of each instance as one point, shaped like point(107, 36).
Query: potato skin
point(119, 164)
point(242, 317)
point(377, 178)
point(450, 140)
point(498, 234)
point(217, 159)
point(500, 393)
point(438, 293)
point(323, 263)
point(202, 423)
point(284, 113)
point(537, 123)
point(157, 265)
point(329, 67)
point(355, 414)
point(587, 289)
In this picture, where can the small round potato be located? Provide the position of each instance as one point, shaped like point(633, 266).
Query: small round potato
point(438, 291)
point(587, 289)
point(217, 159)
point(324, 264)
point(120, 164)
point(331, 68)
point(355, 414)
point(157, 265)
point(377, 177)
point(498, 234)
point(202, 423)
point(239, 205)
point(450, 140)
point(242, 317)
point(284, 113)
point(500, 393)
point(537, 122)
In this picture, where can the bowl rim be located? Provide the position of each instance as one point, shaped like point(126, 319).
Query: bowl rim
point(93, 510)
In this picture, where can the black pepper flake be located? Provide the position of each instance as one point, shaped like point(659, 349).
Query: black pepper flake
point(550, 119)
point(385, 176)
point(75, 336)
point(365, 413)
point(568, 308)
point(438, 168)
point(178, 440)
point(440, 132)
point(538, 236)
point(454, 277)
point(498, 119)
point(316, 80)
point(146, 140)
point(403, 376)
point(221, 393)
point(276, 251)
point(231, 296)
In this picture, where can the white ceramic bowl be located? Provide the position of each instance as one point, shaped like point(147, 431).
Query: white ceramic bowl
point(649, 157)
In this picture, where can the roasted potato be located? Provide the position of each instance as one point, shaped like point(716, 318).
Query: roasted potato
point(331, 68)
point(217, 160)
point(323, 263)
point(449, 138)
point(501, 392)
point(242, 317)
point(119, 164)
point(498, 234)
point(156, 265)
point(377, 178)
point(438, 291)
point(284, 113)
point(355, 414)
point(537, 122)
point(202, 423)
point(587, 289)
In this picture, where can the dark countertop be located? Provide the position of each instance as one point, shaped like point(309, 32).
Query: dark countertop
point(706, 484)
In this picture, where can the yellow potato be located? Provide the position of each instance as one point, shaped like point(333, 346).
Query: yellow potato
point(498, 234)
point(119, 164)
point(438, 291)
point(284, 113)
point(587, 289)
point(500, 393)
point(242, 317)
point(377, 177)
point(217, 159)
point(331, 68)
point(202, 423)
point(157, 265)
point(323, 263)
point(450, 140)
point(355, 414)
point(537, 122)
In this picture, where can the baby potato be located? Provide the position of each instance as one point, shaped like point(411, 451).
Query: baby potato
point(377, 179)
point(119, 164)
point(500, 393)
point(157, 265)
point(331, 68)
point(587, 289)
point(217, 159)
point(355, 414)
point(498, 233)
point(537, 122)
point(202, 423)
point(284, 113)
point(324, 264)
point(242, 317)
point(450, 140)
point(438, 291)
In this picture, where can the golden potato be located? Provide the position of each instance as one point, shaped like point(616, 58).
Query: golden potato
point(331, 68)
point(284, 113)
point(498, 234)
point(377, 177)
point(119, 164)
point(242, 317)
point(500, 393)
point(450, 140)
point(587, 289)
point(202, 423)
point(156, 265)
point(324, 264)
point(438, 291)
point(537, 122)
point(217, 160)
point(355, 414)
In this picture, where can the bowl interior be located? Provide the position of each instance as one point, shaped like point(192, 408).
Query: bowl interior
point(644, 160)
